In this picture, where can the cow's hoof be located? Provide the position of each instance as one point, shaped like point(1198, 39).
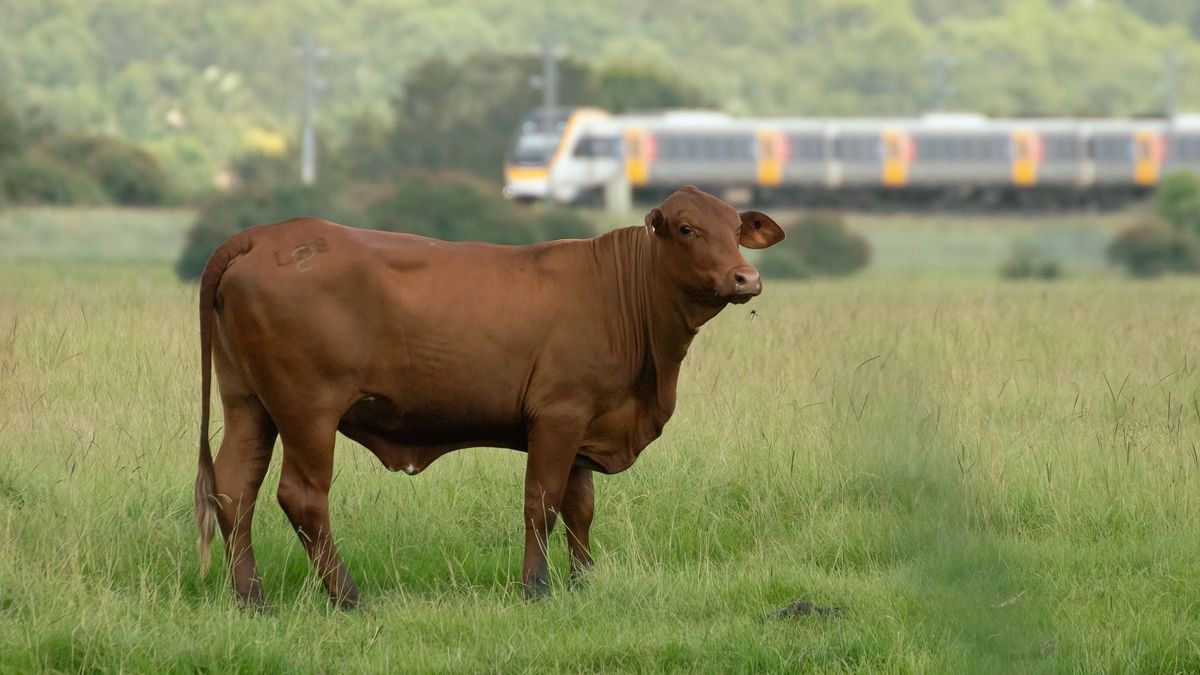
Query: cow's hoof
point(580, 573)
point(255, 604)
point(538, 590)
point(347, 601)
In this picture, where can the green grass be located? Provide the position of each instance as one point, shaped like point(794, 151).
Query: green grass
point(986, 476)
point(92, 234)
point(973, 242)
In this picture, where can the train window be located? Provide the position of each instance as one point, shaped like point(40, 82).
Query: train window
point(670, 147)
point(597, 146)
point(996, 149)
point(857, 149)
point(1111, 149)
point(960, 148)
point(806, 148)
point(1060, 147)
point(1185, 149)
point(929, 149)
point(534, 149)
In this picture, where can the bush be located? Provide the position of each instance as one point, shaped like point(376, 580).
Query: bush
point(1177, 200)
point(1027, 263)
point(34, 177)
point(11, 134)
point(562, 223)
point(1153, 248)
point(257, 171)
point(817, 245)
point(228, 214)
point(456, 207)
point(127, 174)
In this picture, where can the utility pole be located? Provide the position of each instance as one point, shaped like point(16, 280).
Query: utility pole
point(549, 81)
point(1172, 65)
point(940, 88)
point(311, 53)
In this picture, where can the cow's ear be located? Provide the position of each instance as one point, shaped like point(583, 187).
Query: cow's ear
point(656, 221)
point(758, 230)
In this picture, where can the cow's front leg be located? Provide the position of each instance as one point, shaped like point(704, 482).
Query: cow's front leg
point(551, 454)
point(578, 508)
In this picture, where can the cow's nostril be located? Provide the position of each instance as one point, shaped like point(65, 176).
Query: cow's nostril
point(740, 278)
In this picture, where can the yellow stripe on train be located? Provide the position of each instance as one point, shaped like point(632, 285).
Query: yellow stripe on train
point(1148, 155)
point(1026, 157)
point(770, 157)
point(525, 173)
point(637, 169)
point(897, 155)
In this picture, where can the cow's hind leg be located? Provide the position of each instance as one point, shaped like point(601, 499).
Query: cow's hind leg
point(239, 468)
point(577, 510)
point(304, 495)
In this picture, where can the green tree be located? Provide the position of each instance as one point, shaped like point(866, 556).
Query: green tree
point(630, 86)
point(462, 116)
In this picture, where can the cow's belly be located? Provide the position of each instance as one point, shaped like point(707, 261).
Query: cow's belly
point(410, 439)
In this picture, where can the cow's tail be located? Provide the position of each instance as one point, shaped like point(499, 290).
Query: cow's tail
point(206, 504)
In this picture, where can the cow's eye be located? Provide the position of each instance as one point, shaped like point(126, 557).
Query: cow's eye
point(685, 230)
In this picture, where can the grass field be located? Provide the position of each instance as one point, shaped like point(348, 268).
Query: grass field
point(983, 476)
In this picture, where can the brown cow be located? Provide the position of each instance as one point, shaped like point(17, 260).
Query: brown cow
point(568, 351)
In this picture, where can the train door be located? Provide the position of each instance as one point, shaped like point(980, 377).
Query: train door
point(897, 156)
point(772, 155)
point(1027, 156)
point(638, 154)
point(1147, 156)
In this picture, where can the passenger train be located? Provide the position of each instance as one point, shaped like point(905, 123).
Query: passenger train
point(570, 155)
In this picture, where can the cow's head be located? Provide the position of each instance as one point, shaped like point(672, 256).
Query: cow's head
point(698, 237)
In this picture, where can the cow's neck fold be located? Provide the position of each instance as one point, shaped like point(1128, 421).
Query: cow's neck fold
point(654, 322)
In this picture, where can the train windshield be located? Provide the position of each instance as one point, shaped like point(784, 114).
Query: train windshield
point(534, 149)
point(538, 137)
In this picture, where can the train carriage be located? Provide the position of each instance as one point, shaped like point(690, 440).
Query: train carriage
point(1061, 153)
point(962, 149)
point(956, 154)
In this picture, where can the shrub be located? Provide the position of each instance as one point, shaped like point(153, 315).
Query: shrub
point(1153, 248)
point(127, 174)
point(1026, 262)
point(456, 207)
point(35, 177)
point(817, 245)
point(11, 134)
point(257, 171)
point(563, 223)
point(1177, 200)
point(230, 213)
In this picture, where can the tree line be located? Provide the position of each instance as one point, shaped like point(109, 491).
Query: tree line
point(196, 83)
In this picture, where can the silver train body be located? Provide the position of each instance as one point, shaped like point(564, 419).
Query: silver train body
point(568, 155)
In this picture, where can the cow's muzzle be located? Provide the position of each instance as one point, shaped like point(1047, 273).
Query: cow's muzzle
point(746, 284)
